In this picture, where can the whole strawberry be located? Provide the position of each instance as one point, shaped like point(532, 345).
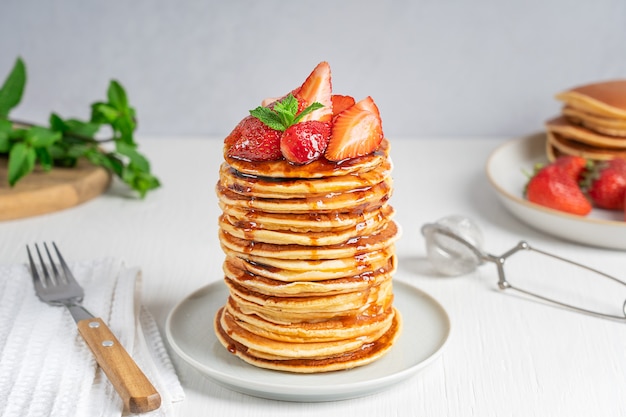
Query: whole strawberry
point(252, 140)
point(574, 166)
point(305, 142)
point(554, 187)
point(606, 184)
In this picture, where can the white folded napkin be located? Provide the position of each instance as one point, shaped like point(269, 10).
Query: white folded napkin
point(46, 368)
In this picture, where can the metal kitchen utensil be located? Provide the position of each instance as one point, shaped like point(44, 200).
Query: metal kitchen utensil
point(55, 285)
point(454, 247)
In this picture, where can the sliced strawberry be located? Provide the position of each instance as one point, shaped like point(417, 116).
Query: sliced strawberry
point(340, 103)
point(252, 140)
point(305, 142)
point(356, 131)
point(368, 104)
point(607, 184)
point(317, 88)
point(552, 187)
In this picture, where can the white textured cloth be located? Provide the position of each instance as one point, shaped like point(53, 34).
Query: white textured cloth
point(46, 368)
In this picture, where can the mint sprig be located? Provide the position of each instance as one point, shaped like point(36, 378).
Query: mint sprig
point(283, 113)
point(65, 141)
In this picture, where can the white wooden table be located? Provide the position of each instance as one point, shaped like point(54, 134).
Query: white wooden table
point(505, 356)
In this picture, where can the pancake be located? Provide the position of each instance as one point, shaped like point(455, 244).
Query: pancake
point(604, 99)
point(558, 145)
point(561, 126)
point(361, 199)
point(602, 125)
point(364, 355)
point(381, 238)
point(320, 267)
point(267, 187)
point(305, 222)
point(235, 270)
point(320, 168)
point(371, 225)
point(312, 274)
point(326, 305)
point(322, 331)
point(592, 123)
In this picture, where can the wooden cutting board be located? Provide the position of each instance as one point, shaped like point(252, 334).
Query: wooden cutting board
point(45, 192)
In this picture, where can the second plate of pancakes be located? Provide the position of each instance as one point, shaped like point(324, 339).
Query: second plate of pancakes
point(505, 170)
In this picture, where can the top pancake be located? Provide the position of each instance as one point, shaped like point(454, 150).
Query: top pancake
point(266, 187)
point(317, 169)
point(605, 99)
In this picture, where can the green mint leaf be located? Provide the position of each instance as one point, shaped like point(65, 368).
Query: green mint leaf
point(57, 123)
point(78, 127)
point(5, 131)
point(103, 113)
point(41, 137)
point(143, 182)
point(5, 126)
point(286, 116)
point(269, 117)
point(21, 162)
point(73, 126)
point(106, 160)
point(117, 96)
point(283, 113)
point(44, 158)
point(136, 159)
point(5, 143)
point(287, 105)
point(125, 126)
point(308, 110)
point(13, 88)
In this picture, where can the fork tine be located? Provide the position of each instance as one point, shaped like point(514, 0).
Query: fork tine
point(46, 275)
point(66, 269)
point(55, 271)
point(33, 269)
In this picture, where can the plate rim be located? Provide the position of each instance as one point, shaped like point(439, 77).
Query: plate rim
point(333, 392)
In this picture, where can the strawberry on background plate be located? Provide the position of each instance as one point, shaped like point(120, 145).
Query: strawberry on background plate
point(605, 184)
point(574, 166)
point(555, 188)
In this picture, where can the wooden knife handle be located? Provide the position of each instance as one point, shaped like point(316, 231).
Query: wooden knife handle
point(138, 394)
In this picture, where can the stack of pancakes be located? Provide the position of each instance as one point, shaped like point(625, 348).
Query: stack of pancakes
point(592, 123)
point(309, 262)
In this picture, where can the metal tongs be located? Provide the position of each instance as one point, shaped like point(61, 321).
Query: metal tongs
point(454, 248)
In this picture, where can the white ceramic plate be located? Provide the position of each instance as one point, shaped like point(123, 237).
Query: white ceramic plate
point(189, 330)
point(505, 170)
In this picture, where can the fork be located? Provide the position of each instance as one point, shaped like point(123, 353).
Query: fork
point(57, 286)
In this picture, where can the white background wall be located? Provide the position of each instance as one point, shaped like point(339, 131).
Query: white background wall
point(195, 67)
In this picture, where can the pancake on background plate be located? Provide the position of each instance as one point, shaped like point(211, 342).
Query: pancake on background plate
point(592, 123)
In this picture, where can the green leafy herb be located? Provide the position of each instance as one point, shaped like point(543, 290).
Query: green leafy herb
point(13, 88)
point(283, 113)
point(65, 141)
